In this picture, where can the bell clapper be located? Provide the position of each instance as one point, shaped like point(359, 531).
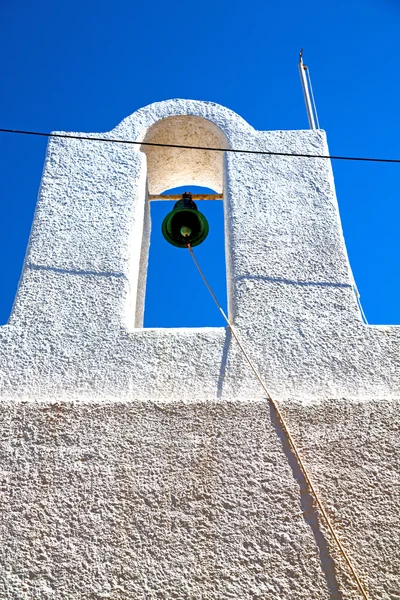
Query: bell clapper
point(185, 231)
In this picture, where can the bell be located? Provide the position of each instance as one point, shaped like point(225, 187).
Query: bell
point(185, 224)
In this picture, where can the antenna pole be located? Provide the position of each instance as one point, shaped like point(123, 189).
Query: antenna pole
point(306, 91)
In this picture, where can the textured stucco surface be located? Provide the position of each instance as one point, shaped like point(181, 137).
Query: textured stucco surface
point(144, 463)
point(200, 500)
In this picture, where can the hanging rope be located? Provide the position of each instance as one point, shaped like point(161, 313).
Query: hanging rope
point(286, 430)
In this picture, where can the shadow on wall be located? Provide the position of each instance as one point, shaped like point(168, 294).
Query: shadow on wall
point(310, 514)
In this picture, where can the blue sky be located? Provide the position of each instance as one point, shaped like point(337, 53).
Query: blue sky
point(84, 66)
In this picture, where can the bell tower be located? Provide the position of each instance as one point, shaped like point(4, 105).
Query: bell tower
point(144, 463)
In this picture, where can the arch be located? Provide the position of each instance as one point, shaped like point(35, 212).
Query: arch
point(176, 296)
point(169, 168)
point(172, 167)
point(136, 126)
point(181, 122)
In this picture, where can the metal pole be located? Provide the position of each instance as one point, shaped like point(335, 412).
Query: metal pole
point(179, 197)
point(306, 91)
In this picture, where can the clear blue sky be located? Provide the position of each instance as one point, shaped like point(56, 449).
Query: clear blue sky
point(84, 66)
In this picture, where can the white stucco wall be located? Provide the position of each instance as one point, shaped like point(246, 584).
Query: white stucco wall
point(144, 463)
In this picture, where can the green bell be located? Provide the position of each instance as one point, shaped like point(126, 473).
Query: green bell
point(185, 224)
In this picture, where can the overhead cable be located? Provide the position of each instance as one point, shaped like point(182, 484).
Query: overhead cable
point(231, 150)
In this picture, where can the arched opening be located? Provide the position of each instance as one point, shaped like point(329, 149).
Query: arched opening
point(173, 167)
point(171, 293)
point(175, 293)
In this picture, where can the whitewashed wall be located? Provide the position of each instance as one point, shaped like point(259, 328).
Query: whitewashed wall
point(145, 463)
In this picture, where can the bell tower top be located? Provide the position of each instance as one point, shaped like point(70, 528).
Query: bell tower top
point(290, 293)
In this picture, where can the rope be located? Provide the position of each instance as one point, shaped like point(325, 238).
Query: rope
point(233, 150)
point(289, 436)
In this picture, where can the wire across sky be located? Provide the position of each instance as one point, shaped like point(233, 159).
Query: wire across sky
point(233, 150)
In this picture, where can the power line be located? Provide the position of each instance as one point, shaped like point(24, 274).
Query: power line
point(233, 150)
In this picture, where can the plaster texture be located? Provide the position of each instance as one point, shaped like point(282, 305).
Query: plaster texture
point(145, 463)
